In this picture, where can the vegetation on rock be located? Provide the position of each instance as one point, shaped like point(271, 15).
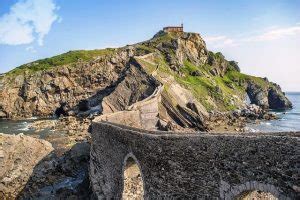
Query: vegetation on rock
point(59, 60)
point(104, 79)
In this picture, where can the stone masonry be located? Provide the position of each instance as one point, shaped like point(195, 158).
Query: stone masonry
point(194, 165)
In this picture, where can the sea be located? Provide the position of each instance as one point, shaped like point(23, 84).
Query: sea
point(288, 120)
point(23, 126)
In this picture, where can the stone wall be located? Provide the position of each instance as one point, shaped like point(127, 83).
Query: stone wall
point(197, 166)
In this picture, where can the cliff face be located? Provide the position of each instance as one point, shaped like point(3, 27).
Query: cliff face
point(69, 89)
point(270, 96)
point(196, 81)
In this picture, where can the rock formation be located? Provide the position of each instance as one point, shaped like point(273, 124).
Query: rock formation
point(87, 83)
point(19, 154)
point(170, 82)
point(269, 96)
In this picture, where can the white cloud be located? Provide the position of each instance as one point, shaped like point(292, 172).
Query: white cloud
point(27, 21)
point(271, 53)
point(215, 38)
point(272, 33)
point(220, 41)
point(276, 34)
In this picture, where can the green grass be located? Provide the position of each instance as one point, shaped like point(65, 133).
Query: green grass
point(163, 37)
point(149, 67)
point(59, 60)
point(200, 86)
point(214, 86)
point(188, 67)
point(210, 90)
point(237, 77)
point(143, 49)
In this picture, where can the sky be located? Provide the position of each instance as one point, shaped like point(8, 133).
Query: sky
point(262, 36)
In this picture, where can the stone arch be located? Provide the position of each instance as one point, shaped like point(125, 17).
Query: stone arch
point(237, 192)
point(256, 194)
point(132, 178)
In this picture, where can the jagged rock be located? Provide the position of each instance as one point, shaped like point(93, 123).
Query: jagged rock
point(196, 120)
point(219, 64)
point(267, 97)
point(186, 46)
point(214, 72)
point(114, 81)
point(19, 155)
point(135, 86)
point(277, 100)
point(61, 177)
point(3, 114)
point(269, 116)
point(41, 93)
point(257, 95)
point(235, 65)
point(196, 73)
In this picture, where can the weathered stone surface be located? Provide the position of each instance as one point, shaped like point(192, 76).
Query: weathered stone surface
point(19, 154)
point(185, 46)
point(268, 97)
point(195, 165)
point(277, 100)
point(60, 177)
point(64, 87)
point(195, 73)
point(258, 95)
point(142, 114)
point(113, 82)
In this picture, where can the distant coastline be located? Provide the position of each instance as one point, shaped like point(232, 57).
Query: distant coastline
point(288, 120)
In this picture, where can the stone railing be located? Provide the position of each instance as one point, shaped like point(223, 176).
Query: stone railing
point(195, 165)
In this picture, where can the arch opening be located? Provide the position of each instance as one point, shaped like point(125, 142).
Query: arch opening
point(256, 195)
point(133, 186)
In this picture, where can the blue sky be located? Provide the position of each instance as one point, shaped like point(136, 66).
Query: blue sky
point(263, 36)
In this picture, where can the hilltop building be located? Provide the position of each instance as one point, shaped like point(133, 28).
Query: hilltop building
point(170, 29)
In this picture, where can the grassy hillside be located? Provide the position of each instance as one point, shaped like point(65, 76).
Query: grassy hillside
point(59, 60)
point(226, 91)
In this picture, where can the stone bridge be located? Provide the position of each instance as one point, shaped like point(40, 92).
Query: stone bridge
point(194, 165)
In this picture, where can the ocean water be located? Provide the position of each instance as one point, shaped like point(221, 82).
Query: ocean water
point(22, 126)
point(289, 120)
point(16, 126)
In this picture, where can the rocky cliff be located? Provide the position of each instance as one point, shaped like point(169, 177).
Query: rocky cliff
point(196, 82)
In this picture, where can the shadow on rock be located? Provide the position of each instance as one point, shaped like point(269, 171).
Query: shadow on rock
point(64, 177)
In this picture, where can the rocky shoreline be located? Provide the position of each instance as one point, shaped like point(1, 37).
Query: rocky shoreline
point(63, 171)
point(170, 82)
point(32, 169)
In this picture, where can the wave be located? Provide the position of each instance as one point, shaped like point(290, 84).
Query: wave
point(282, 119)
point(294, 113)
point(24, 129)
point(252, 130)
point(32, 118)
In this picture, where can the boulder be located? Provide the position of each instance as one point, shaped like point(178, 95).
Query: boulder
point(277, 100)
point(258, 95)
point(19, 154)
point(270, 97)
point(214, 72)
point(3, 114)
point(235, 65)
